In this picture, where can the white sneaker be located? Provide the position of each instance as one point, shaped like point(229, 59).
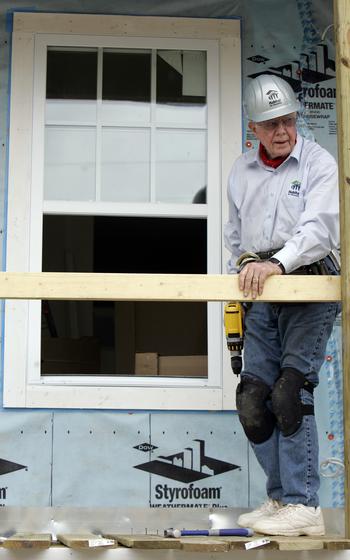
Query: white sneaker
point(292, 520)
point(266, 509)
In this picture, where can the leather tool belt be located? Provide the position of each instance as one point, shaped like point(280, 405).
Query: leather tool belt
point(326, 266)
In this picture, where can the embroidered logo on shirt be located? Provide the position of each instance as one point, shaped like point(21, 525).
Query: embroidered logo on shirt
point(273, 97)
point(294, 189)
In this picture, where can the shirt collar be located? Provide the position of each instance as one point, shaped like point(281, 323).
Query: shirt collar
point(295, 153)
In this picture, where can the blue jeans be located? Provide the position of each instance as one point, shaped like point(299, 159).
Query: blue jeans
point(291, 335)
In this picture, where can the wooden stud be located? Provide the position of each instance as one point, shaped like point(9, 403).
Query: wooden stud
point(342, 35)
point(28, 540)
point(161, 287)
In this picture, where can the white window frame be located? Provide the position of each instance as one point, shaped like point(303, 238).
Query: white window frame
point(23, 385)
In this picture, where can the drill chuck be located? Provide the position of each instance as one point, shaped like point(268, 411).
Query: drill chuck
point(236, 364)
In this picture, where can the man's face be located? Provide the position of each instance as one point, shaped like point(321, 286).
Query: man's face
point(278, 135)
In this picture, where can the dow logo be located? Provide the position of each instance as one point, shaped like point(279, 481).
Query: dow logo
point(187, 466)
point(145, 447)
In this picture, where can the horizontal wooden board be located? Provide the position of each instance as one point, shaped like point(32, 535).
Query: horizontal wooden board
point(336, 544)
point(161, 287)
point(146, 542)
point(204, 544)
point(85, 540)
point(291, 543)
point(188, 544)
point(28, 540)
point(116, 25)
point(223, 544)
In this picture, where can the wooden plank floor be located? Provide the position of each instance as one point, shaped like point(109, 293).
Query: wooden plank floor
point(187, 544)
point(225, 544)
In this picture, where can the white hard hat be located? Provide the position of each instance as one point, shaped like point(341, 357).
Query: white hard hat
point(267, 97)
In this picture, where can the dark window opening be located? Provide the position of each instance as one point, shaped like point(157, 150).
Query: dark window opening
point(71, 74)
point(126, 76)
point(124, 338)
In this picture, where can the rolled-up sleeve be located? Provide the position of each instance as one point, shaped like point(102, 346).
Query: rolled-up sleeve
point(232, 229)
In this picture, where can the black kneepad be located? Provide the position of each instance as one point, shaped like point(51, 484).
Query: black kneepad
point(286, 403)
point(256, 418)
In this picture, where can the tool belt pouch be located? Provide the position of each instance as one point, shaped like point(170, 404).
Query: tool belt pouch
point(326, 266)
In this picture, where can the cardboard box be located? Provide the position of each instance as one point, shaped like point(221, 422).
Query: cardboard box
point(146, 363)
point(70, 356)
point(183, 366)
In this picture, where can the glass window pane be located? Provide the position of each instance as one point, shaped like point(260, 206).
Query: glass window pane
point(181, 87)
point(71, 85)
point(69, 169)
point(125, 173)
point(126, 87)
point(181, 165)
point(70, 110)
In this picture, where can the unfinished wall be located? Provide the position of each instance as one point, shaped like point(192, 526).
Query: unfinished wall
point(70, 458)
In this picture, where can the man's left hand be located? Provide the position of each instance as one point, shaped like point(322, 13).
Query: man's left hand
point(252, 277)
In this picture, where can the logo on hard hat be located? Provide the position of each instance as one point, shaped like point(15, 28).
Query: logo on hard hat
point(273, 97)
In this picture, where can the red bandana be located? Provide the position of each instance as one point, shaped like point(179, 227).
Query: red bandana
point(270, 162)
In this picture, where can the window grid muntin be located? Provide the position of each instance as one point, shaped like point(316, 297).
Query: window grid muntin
point(152, 125)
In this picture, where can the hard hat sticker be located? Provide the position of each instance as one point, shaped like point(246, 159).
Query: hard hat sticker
point(273, 97)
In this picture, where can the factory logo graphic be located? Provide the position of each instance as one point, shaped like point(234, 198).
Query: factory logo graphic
point(8, 466)
point(188, 465)
point(312, 68)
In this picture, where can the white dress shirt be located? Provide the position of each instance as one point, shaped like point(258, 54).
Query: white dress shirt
point(294, 208)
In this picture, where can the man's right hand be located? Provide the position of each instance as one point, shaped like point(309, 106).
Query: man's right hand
point(252, 277)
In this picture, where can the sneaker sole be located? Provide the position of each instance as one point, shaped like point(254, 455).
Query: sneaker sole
point(315, 531)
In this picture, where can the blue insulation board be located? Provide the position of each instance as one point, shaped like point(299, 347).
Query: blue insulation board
point(107, 459)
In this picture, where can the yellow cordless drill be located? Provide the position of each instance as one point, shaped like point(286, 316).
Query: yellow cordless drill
point(233, 319)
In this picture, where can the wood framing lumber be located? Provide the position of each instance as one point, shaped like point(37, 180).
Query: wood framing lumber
point(239, 543)
point(204, 544)
point(342, 39)
point(299, 543)
point(86, 541)
point(161, 287)
point(224, 544)
point(277, 543)
point(336, 544)
point(188, 544)
point(146, 542)
point(28, 540)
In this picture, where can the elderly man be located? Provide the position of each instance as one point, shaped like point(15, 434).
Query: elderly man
point(283, 218)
